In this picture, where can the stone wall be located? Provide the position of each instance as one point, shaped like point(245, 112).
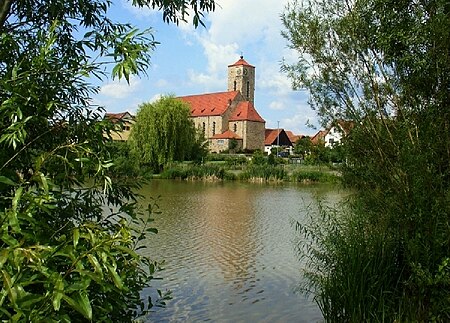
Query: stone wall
point(219, 145)
point(253, 135)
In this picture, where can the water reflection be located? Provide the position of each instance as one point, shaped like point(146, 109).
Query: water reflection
point(229, 251)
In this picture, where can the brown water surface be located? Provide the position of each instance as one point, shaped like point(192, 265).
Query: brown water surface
point(230, 250)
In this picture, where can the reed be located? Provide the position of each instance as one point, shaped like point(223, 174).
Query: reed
point(352, 266)
point(195, 172)
point(263, 173)
point(305, 176)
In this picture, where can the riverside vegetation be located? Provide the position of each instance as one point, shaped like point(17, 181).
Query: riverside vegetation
point(254, 168)
point(384, 255)
point(70, 233)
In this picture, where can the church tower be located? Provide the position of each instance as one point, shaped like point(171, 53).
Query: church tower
point(241, 77)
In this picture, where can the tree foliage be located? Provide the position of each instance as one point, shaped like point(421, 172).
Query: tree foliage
point(164, 132)
point(68, 232)
point(385, 65)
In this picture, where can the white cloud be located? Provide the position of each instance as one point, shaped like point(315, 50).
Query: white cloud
point(236, 27)
point(154, 98)
point(140, 13)
point(162, 83)
point(120, 89)
point(276, 105)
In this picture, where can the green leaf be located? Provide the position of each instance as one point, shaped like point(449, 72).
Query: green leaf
point(44, 182)
point(115, 277)
point(58, 293)
point(98, 269)
point(94, 276)
point(29, 300)
point(75, 237)
point(80, 302)
point(152, 230)
point(83, 284)
point(3, 257)
point(8, 286)
point(16, 198)
point(6, 180)
point(127, 250)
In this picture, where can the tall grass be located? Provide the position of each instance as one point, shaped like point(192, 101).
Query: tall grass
point(305, 176)
point(196, 172)
point(258, 173)
point(352, 266)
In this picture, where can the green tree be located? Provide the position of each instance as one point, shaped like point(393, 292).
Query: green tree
point(303, 146)
point(164, 132)
point(68, 233)
point(384, 65)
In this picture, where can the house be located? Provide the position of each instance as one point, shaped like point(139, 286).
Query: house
point(230, 118)
point(319, 137)
point(338, 130)
point(333, 135)
point(124, 122)
point(276, 138)
point(292, 137)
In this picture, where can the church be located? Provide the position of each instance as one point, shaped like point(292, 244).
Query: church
point(229, 120)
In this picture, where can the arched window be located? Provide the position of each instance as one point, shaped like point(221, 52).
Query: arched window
point(204, 129)
point(248, 89)
point(214, 129)
point(235, 127)
point(234, 85)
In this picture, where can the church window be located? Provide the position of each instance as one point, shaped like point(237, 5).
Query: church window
point(214, 128)
point(248, 89)
point(235, 85)
point(235, 127)
point(204, 129)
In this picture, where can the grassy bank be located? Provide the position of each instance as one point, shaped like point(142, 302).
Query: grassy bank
point(218, 171)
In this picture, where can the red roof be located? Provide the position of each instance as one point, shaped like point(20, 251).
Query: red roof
point(293, 138)
point(240, 62)
point(210, 104)
point(271, 136)
point(245, 111)
point(226, 135)
point(319, 136)
point(115, 117)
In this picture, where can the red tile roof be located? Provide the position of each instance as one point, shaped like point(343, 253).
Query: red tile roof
point(115, 117)
point(276, 136)
point(346, 126)
point(293, 138)
point(271, 136)
point(226, 135)
point(319, 136)
point(241, 61)
point(245, 111)
point(210, 104)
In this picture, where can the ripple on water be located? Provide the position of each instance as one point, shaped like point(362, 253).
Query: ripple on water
point(229, 253)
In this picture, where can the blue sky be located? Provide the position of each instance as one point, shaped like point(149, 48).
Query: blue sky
point(194, 61)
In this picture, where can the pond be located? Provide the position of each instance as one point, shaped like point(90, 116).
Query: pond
point(230, 250)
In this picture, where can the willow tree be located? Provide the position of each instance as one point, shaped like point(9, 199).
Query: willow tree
point(164, 132)
point(385, 65)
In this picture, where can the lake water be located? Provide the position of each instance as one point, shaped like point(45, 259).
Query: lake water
point(230, 250)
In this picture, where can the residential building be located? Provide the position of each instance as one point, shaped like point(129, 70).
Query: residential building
point(337, 131)
point(334, 134)
point(123, 122)
point(276, 138)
